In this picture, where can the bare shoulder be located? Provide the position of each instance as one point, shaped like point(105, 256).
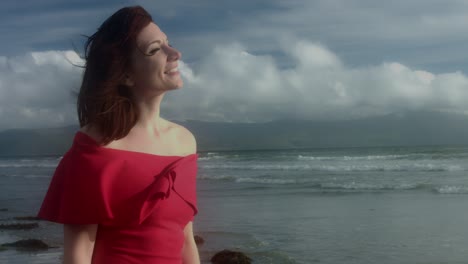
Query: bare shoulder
point(185, 138)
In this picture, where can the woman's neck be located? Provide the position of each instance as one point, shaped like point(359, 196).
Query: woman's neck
point(149, 118)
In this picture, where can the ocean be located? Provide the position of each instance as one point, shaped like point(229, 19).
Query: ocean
point(353, 205)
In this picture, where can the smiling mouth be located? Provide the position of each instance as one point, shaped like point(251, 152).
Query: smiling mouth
point(173, 70)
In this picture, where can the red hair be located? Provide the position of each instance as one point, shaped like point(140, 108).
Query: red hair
point(104, 102)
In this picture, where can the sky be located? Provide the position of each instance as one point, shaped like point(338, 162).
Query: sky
point(250, 60)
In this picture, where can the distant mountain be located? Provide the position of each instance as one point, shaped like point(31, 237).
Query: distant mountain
point(400, 129)
point(31, 142)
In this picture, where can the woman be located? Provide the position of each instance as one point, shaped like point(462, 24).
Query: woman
point(125, 191)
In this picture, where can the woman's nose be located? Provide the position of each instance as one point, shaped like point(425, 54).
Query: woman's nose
point(173, 54)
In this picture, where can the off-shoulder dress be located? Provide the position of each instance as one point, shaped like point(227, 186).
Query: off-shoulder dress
point(141, 202)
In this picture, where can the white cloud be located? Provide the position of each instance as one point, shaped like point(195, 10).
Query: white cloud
point(427, 34)
point(36, 89)
point(231, 84)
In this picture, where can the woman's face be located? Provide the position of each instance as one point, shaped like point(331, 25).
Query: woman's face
point(154, 64)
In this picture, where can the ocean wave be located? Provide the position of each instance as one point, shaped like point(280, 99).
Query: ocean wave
point(316, 185)
point(217, 177)
point(247, 179)
point(430, 167)
point(409, 157)
point(350, 158)
point(371, 187)
point(211, 158)
point(338, 187)
point(36, 176)
point(45, 162)
point(451, 189)
point(216, 156)
point(27, 176)
point(267, 181)
point(29, 165)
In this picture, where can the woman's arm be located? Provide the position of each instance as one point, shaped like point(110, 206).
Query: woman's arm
point(190, 251)
point(78, 243)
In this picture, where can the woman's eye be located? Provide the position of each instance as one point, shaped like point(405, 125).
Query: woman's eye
point(153, 51)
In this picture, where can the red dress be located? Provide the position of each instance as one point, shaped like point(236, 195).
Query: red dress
point(141, 202)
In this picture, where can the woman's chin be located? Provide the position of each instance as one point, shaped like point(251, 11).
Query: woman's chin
point(179, 84)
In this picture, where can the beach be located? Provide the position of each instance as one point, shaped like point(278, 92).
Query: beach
point(354, 205)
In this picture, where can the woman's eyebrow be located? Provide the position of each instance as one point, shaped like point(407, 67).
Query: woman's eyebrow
point(157, 41)
point(154, 41)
